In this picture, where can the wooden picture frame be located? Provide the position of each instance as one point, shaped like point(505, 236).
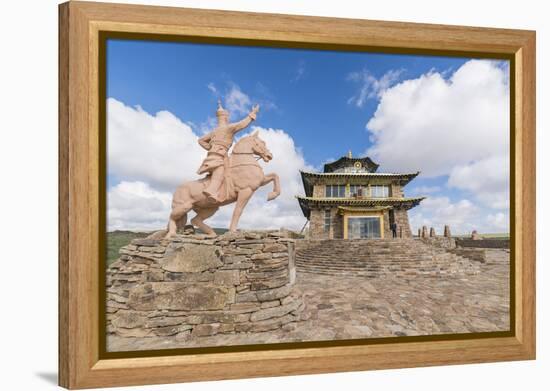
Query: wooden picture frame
point(81, 160)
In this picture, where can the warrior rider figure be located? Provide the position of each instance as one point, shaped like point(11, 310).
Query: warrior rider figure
point(217, 143)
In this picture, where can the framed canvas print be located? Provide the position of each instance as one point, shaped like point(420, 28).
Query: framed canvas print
point(248, 195)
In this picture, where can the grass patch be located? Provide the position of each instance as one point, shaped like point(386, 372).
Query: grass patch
point(118, 239)
point(498, 236)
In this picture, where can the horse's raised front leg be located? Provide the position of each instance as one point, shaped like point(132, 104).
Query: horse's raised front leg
point(198, 220)
point(242, 199)
point(272, 177)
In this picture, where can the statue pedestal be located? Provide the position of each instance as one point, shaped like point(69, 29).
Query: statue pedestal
point(189, 286)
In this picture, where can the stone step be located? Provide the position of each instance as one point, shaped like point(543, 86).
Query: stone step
point(387, 259)
point(370, 259)
point(395, 254)
point(345, 273)
point(375, 265)
point(378, 257)
point(438, 268)
point(372, 265)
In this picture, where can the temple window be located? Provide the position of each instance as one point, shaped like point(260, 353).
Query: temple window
point(327, 220)
point(380, 191)
point(356, 191)
point(335, 191)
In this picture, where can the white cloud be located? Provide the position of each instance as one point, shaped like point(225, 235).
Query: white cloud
point(486, 179)
point(440, 211)
point(300, 71)
point(212, 87)
point(498, 222)
point(137, 206)
point(456, 128)
point(152, 155)
point(159, 149)
point(462, 216)
point(236, 101)
point(371, 87)
point(433, 125)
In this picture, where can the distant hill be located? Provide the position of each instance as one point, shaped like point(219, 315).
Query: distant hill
point(502, 236)
point(118, 239)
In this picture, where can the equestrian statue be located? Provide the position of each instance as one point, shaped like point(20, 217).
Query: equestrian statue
point(229, 177)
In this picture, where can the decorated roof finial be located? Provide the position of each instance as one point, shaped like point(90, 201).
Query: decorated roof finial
point(349, 154)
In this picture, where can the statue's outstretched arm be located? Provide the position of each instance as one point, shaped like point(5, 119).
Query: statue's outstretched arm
point(237, 126)
point(204, 141)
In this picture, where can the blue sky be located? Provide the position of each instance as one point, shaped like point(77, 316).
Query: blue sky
point(311, 104)
point(322, 100)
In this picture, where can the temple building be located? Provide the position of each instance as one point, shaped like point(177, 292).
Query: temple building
point(350, 200)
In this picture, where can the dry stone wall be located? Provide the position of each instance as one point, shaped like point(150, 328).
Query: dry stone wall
point(402, 220)
point(190, 286)
point(440, 241)
point(474, 254)
point(317, 224)
point(484, 243)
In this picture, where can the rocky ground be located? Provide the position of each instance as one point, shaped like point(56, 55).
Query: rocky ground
point(358, 307)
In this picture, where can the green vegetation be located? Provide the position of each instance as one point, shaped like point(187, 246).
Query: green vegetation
point(496, 236)
point(118, 239)
point(499, 236)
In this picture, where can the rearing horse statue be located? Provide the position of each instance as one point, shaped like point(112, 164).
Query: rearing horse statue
point(243, 176)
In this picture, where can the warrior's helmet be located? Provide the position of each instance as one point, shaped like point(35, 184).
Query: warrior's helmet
point(222, 114)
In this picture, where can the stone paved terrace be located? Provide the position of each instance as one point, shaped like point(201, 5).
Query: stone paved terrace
point(359, 307)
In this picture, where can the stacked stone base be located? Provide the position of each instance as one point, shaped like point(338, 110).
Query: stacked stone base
point(190, 286)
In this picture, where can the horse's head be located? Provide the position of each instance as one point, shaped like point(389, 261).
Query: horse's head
point(254, 144)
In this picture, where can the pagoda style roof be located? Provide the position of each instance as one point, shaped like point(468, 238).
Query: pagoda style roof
point(346, 161)
point(306, 203)
point(311, 178)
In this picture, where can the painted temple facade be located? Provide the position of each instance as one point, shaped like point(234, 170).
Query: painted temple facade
point(351, 200)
